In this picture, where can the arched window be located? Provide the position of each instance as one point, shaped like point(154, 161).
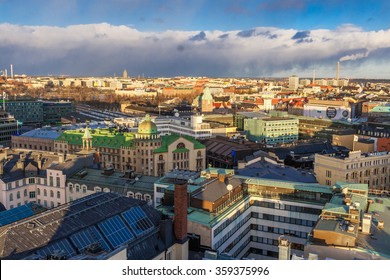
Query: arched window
point(199, 154)
point(58, 194)
point(39, 191)
point(147, 197)
point(130, 194)
point(25, 192)
point(160, 157)
point(180, 145)
point(44, 192)
point(138, 196)
point(51, 193)
point(18, 195)
point(11, 197)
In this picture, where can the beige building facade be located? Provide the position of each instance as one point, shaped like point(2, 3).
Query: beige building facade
point(364, 168)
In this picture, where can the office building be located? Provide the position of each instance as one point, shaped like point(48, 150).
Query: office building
point(372, 169)
point(293, 82)
point(272, 130)
point(8, 127)
point(243, 217)
point(38, 112)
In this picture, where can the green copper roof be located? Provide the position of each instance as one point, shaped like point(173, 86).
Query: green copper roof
point(147, 126)
point(167, 140)
point(100, 138)
point(352, 186)
point(381, 109)
point(181, 150)
point(309, 187)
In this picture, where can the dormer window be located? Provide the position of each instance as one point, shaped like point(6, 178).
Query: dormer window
point(180, 145)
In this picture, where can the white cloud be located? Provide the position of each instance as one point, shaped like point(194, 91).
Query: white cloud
point(102, 49)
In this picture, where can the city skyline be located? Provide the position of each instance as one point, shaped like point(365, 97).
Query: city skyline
point(200, 38)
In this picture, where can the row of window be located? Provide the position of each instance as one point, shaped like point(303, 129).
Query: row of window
point(32, 194)
point(279, 231)
point(24, 182)
point(228, 221)
point(287, 207)
point(368, 163)
point(232, 231)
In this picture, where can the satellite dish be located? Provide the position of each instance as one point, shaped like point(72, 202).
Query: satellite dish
point(229, 187)
point(176, 114)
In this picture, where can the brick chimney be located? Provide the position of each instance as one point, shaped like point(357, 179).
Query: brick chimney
point(180, 219)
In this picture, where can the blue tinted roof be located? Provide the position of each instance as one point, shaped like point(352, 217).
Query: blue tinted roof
point(19, 213)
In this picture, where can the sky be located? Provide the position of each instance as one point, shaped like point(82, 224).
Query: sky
point(214, 38)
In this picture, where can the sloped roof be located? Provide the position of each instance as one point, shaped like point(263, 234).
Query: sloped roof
point(100, 138)
point(167, 140)
point(56, 226)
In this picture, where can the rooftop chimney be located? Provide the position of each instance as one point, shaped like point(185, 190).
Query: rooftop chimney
point(284, 248)
point(180, 218)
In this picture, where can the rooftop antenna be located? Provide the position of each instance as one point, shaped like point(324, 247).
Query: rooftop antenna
point(4, 97)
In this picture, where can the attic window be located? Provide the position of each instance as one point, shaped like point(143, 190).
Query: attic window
point(180, 145)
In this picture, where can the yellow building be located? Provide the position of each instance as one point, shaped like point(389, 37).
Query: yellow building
point(145, 152)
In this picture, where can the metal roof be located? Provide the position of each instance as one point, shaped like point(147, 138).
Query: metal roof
point(58, 227)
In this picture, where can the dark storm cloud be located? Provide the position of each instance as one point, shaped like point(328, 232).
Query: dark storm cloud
point(198, 37)
point(301, 35)
point(247, 33)
point(223, 36)
point(254, 32)
point(82, 50)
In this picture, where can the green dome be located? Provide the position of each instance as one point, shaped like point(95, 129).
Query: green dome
point(147, 126)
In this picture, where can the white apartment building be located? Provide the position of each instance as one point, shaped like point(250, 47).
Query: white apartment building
point(38, 177)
